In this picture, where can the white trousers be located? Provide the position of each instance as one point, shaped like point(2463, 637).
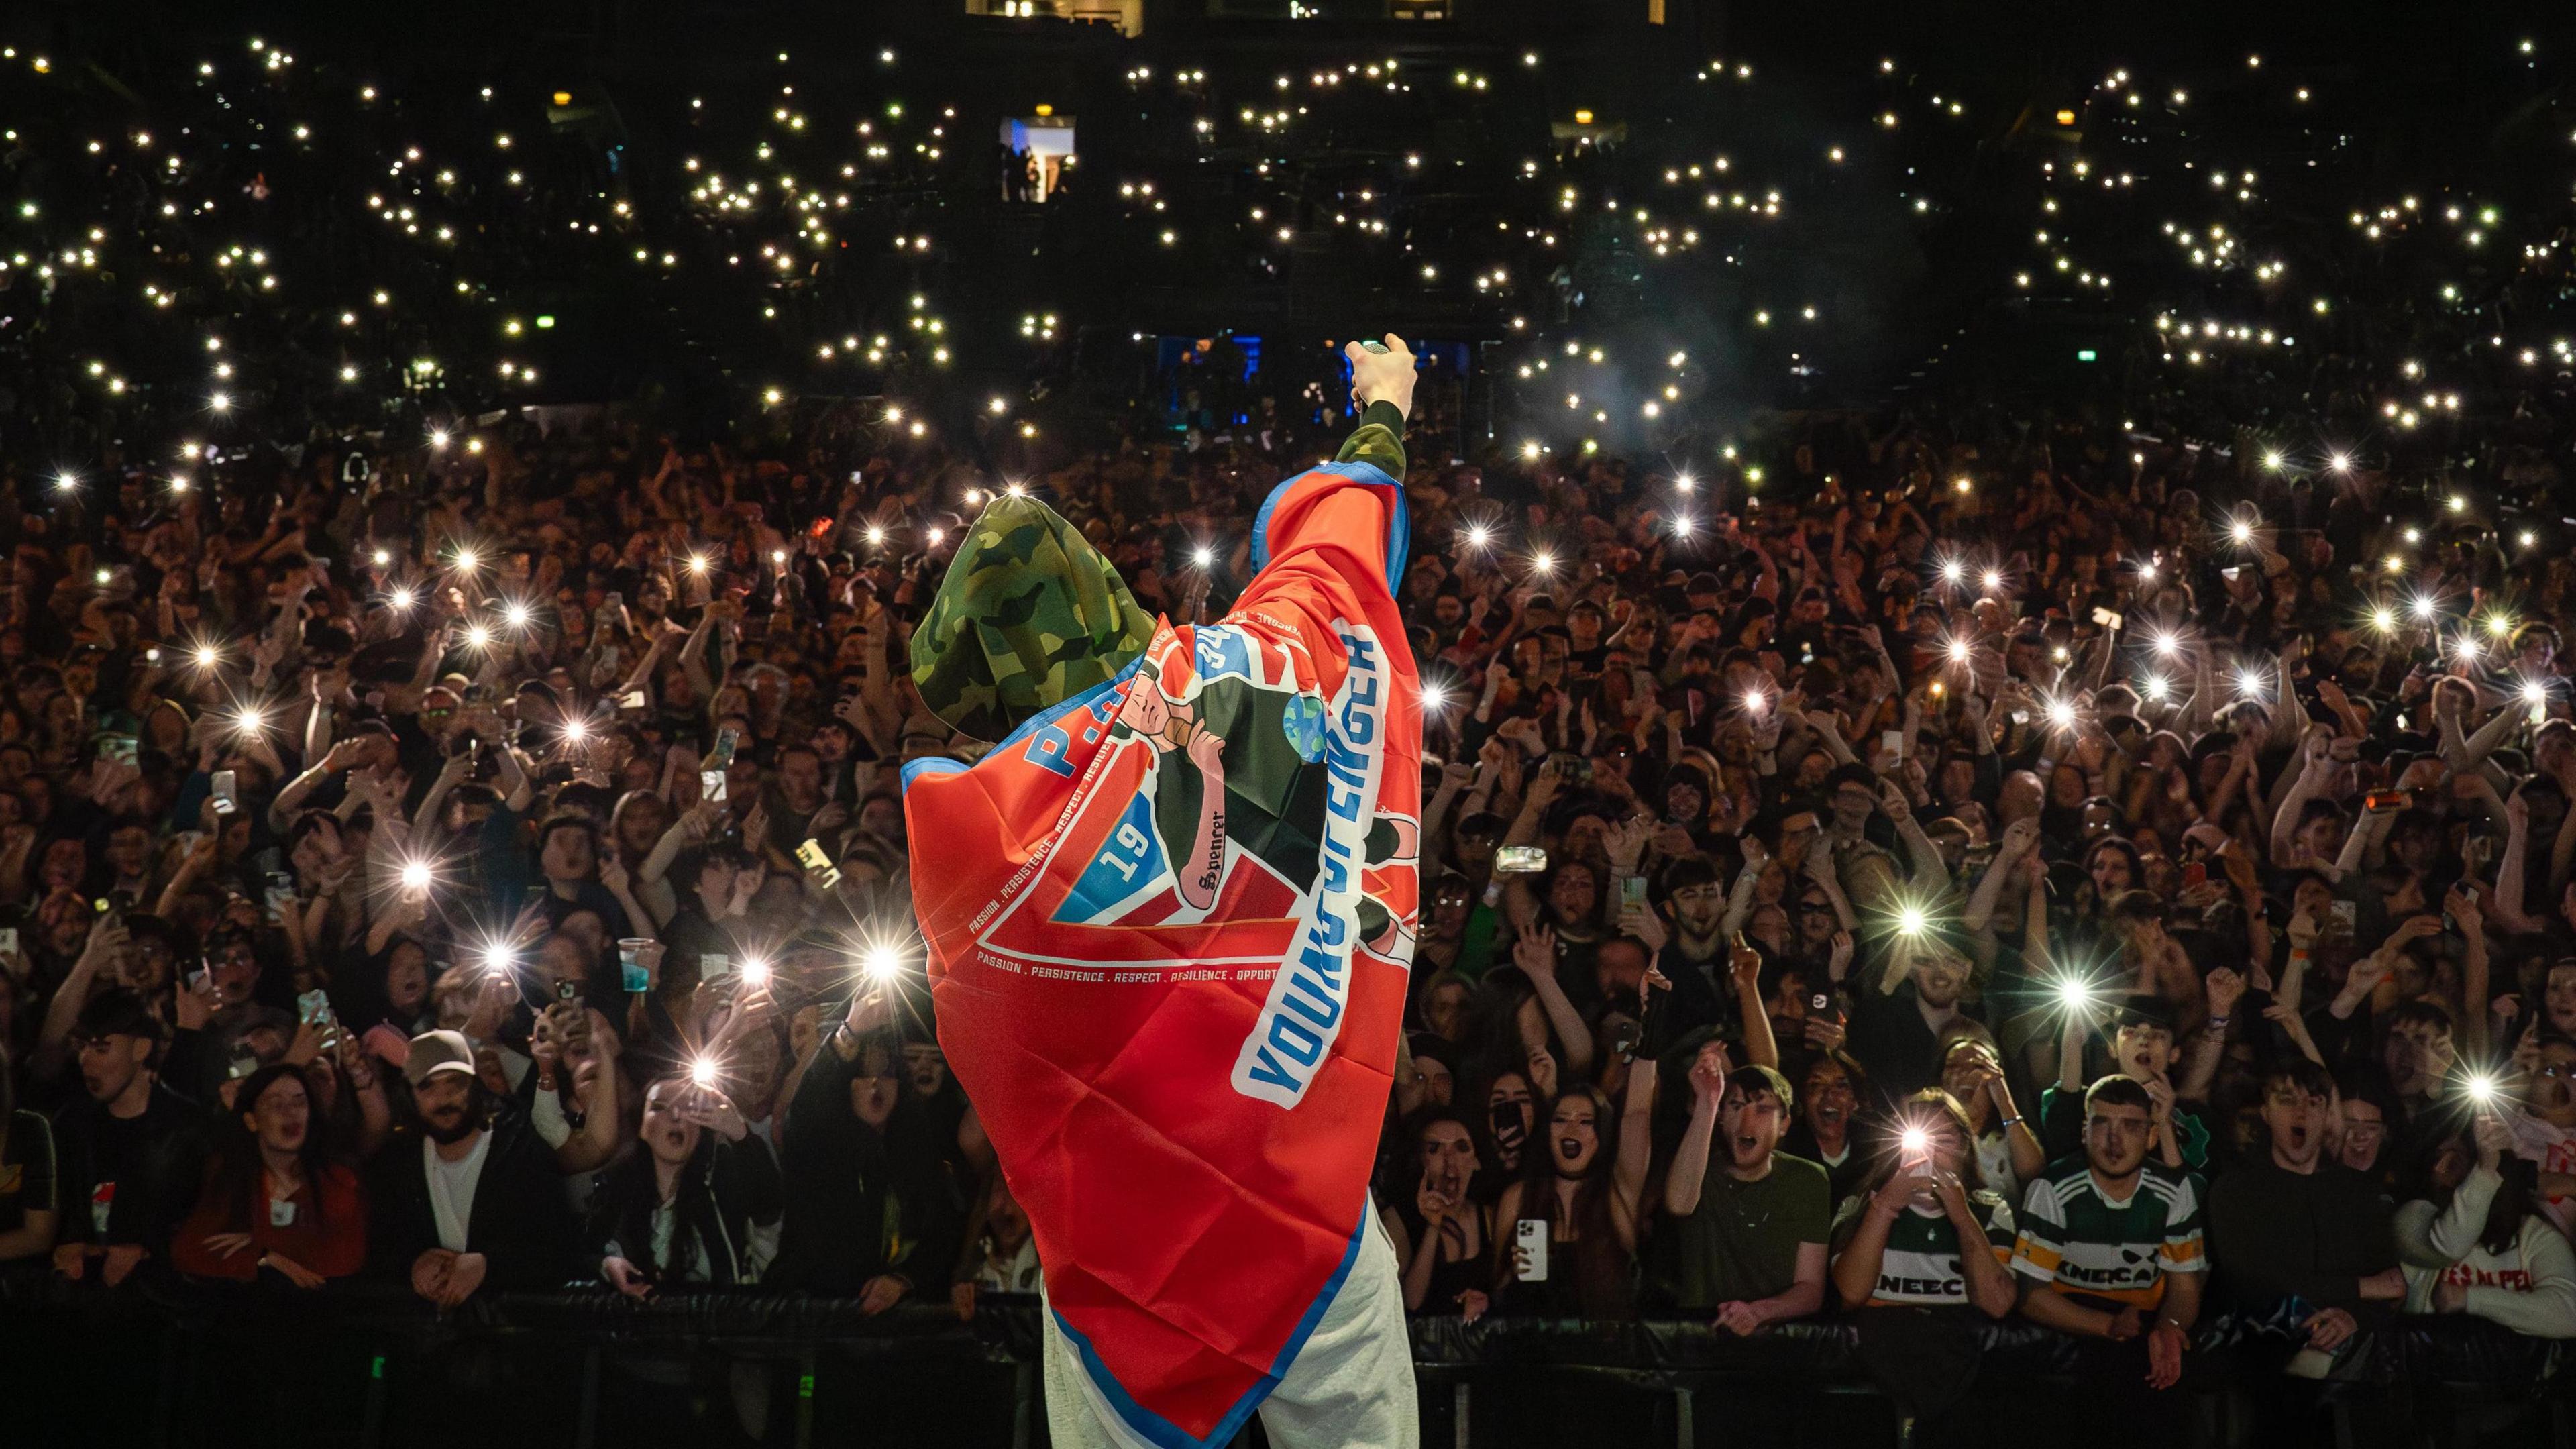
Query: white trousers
point(1351, 1386)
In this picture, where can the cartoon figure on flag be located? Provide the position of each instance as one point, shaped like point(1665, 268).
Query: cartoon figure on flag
point(1169, 917)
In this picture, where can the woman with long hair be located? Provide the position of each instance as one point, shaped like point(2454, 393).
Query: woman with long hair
point(2474, 1242)
point(1583, 1180)
point(1442, 1233)
point(699, 1205)
point(1897, 1243)
point(275, 1197)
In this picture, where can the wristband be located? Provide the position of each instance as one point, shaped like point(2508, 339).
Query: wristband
point(2011, 1122)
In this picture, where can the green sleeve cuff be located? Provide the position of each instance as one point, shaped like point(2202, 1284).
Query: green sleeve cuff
point(1378, 440)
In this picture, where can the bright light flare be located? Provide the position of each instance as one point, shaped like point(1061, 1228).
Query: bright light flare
point(702, 1073)
point(415, 877)
point(1543, 562)
point(881, 962)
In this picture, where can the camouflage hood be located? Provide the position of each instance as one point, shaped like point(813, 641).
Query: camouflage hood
point(1029, 616)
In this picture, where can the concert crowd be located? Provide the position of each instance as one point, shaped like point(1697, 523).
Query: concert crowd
point(1923, 865)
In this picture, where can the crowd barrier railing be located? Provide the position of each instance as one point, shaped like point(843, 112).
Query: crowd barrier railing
point(2443, 1375)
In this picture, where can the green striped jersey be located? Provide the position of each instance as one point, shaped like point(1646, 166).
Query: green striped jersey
point(2075, 1240)
point(1921, 1267)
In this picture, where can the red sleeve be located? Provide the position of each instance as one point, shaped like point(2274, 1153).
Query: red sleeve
point(212, 1215)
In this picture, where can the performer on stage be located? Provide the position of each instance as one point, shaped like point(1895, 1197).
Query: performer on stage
point(1169, 919)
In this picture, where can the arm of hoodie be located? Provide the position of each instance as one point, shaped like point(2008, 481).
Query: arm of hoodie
point(2428, 1237)
point(1378, 440)
point(2548, 1308)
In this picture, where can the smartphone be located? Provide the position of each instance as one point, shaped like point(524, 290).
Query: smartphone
point(1571, 768)
point(1520, 860)
point(1632, 892)
point(2382, 802)
point(2107, 618)
point(226, 801)
point(533, 897)
point(312, 1008)
point(1529, 1235)
point(8, 940)
point(711, 785)
point(280, 896)
point(2341, 919)
point(631, 975)
point(2195, 875)
point(567, 989)
point(631, 699)
point(1820, 1005)
point(813, 857)
point(714, 967)
point(120, 748)
point(1892, 741)
point(722, 755)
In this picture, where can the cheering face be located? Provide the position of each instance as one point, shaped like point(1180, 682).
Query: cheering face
point(1448, 1157)
point(1753, 1122)
point(2418, 1056)
point(925, 1068)
point(2111, 873)
point(1700, 909)
point(281, 1116)
point(2296, 1119)
point(2365, 1131)
point(2553, 1086)
point(1939, 979)
point(671, 1138)
point(1574, 893)
point(1828, 1100)
point(2115, 1138)
point(1573, 1135)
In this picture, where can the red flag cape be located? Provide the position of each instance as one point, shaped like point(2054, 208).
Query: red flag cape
point(1169, 923)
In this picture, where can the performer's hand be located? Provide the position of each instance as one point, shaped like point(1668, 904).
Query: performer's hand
point(1382, 376)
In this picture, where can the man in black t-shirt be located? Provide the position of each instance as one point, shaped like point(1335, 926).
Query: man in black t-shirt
point(129, 1150)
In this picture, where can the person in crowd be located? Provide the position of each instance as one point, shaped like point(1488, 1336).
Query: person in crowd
point(475, 1206)
point(1752, 1225)
point(2294, 1232)
point(2109, 1250)
point(1922, 1256)
point(2474, 1242)
point(277, 1198)
point(862, 1215)
point(128, 1150)
point(698, 1206)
